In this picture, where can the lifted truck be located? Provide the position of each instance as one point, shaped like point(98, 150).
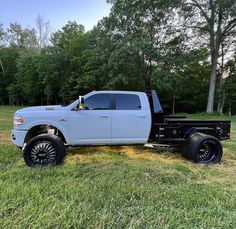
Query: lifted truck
point(113, 118)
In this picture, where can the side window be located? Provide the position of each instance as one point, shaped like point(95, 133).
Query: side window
point(127, 102)
point(98, 102)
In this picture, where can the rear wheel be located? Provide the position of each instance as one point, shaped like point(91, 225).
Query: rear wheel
point(44, 150)
point(202, 148)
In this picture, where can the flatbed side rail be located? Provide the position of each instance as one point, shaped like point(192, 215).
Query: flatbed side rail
point(175, 130)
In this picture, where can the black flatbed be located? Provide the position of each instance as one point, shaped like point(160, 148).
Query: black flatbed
point(177, 129)
point(171, 120)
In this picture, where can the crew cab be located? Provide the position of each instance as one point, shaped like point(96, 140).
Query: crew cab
point(113, 118)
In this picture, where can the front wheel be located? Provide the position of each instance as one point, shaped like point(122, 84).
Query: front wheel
point(44, 150)
point(203, 148)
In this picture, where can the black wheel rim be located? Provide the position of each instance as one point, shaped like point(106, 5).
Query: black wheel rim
point(43, 153)
point(207, 152)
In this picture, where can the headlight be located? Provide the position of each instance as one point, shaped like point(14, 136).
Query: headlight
point(18, 120)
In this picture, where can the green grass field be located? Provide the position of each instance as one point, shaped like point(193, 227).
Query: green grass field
point(116, 187)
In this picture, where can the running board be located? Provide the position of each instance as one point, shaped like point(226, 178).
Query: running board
point(162, 147)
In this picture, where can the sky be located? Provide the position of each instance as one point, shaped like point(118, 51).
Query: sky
point(57, 12)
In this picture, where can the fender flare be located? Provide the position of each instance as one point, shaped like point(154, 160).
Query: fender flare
point(51, 123)
point(189, 132)
point(209, 131)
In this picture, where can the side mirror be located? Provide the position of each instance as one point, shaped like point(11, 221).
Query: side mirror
point(81, 103)
point(81, 100)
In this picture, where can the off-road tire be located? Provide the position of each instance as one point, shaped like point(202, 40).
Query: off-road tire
point(44, 150)
point(203, 148)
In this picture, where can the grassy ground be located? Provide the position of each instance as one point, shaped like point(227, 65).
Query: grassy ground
point(116, 187)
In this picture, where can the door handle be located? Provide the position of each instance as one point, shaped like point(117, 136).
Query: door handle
point(103, 116)
point(141, 116)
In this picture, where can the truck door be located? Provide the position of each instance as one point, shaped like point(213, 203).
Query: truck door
point(92, 125)
point(131, 119)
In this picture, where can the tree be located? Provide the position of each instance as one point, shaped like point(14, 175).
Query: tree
point(140, 30)
point(222, 75)
point(83, 63)
point(51, 66)
point(62, 38)
point(21, 38)
point(27, 86)
point(177, 77)
point(2, 34)
point(217, 20)
point(230, 85)
point(115, 64)
point(8, 58)
point(44, 31)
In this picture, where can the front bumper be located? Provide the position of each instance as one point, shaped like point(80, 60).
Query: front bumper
point(18, 137)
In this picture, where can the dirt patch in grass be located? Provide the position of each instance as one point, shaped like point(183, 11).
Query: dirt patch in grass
point(227, 181)
point(222, 173)
point(152, 154)
point(88, 154)
point(5, 138)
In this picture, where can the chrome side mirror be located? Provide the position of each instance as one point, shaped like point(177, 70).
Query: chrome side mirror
point(81, 103)
point(81, 100)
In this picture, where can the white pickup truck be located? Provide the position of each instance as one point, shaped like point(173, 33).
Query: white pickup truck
point(112, 118)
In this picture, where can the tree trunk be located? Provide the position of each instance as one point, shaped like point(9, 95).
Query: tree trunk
point(147, 84)
point(146, 73)
point(215, 41)
point(147, 77)
point(1, 64)
point(221, 93)
point(211, 95)
point(173, 104)
point(41, 99)
point(97, 82)
point(56, 99)
point(221, 101)
point(222, 105)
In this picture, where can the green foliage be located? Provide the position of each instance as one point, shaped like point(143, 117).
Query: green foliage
point(21, 38)
point(8, 58)
point(215, 22)
point(64, 37)
point(53, 70)
point(229, 87)
point(142, 45)
point(135, 27)
point(2, 33)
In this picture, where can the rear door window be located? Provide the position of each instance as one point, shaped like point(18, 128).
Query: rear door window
point(127, 102)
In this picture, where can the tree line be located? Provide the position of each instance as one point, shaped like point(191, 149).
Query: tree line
point(184, 49)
